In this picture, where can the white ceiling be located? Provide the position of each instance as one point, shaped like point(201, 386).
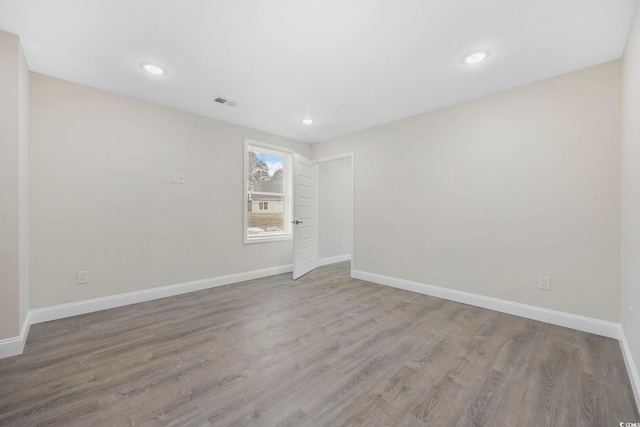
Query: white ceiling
point(349, 64)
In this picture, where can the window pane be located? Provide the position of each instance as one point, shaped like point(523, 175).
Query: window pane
point(268, 193)
point(265, 215)
point(264, 172)
point(267, 187)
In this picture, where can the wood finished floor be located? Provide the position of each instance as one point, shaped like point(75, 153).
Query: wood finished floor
point(326, 350)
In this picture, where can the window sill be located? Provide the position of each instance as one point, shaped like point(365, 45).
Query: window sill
point(263, 239)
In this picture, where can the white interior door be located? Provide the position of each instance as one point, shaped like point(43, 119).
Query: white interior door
point(305, 216)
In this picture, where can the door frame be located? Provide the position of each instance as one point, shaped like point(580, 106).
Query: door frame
point(350, 155)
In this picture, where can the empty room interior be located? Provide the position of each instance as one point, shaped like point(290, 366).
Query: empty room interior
point(296, 213)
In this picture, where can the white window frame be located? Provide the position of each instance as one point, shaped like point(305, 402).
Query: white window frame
point(287, 181)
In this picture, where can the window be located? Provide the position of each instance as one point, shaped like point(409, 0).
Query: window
point(267, 186)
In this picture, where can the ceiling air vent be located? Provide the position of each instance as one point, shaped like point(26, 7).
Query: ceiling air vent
point(225, 101)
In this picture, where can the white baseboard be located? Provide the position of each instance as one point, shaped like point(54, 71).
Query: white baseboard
point(14, 346)
point(573, 321)
point(46, 314)
point(634, 376)
point(334, 259)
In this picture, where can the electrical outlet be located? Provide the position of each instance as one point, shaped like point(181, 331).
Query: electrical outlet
point(83, 277)
point(342, 243)
point(372, 256)
point(544, 282)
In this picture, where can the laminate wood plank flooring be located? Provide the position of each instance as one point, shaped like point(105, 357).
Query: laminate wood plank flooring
point(325, 350)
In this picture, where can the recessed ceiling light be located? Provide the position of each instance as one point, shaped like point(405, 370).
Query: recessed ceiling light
point(307, 121)
point(153, 68)
point(475, 57)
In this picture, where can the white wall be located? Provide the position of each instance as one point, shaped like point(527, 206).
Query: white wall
point(487, 195)
point(14, 249)
point(101, 200)
point(336, 208)
point(9, 175)
point(23, 191)
point(630, 289)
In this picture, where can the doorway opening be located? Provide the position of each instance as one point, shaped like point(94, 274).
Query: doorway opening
point(336, 208)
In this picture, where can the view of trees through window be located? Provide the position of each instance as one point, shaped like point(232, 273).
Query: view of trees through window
point(265, 193)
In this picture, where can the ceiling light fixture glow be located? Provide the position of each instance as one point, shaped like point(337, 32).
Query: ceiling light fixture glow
point(307, 121)
point(475, 57)
point(153, 69)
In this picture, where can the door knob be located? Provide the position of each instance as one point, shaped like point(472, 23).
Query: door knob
point(296, 222)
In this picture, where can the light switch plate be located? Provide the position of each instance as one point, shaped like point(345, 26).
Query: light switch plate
point(83, 277)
